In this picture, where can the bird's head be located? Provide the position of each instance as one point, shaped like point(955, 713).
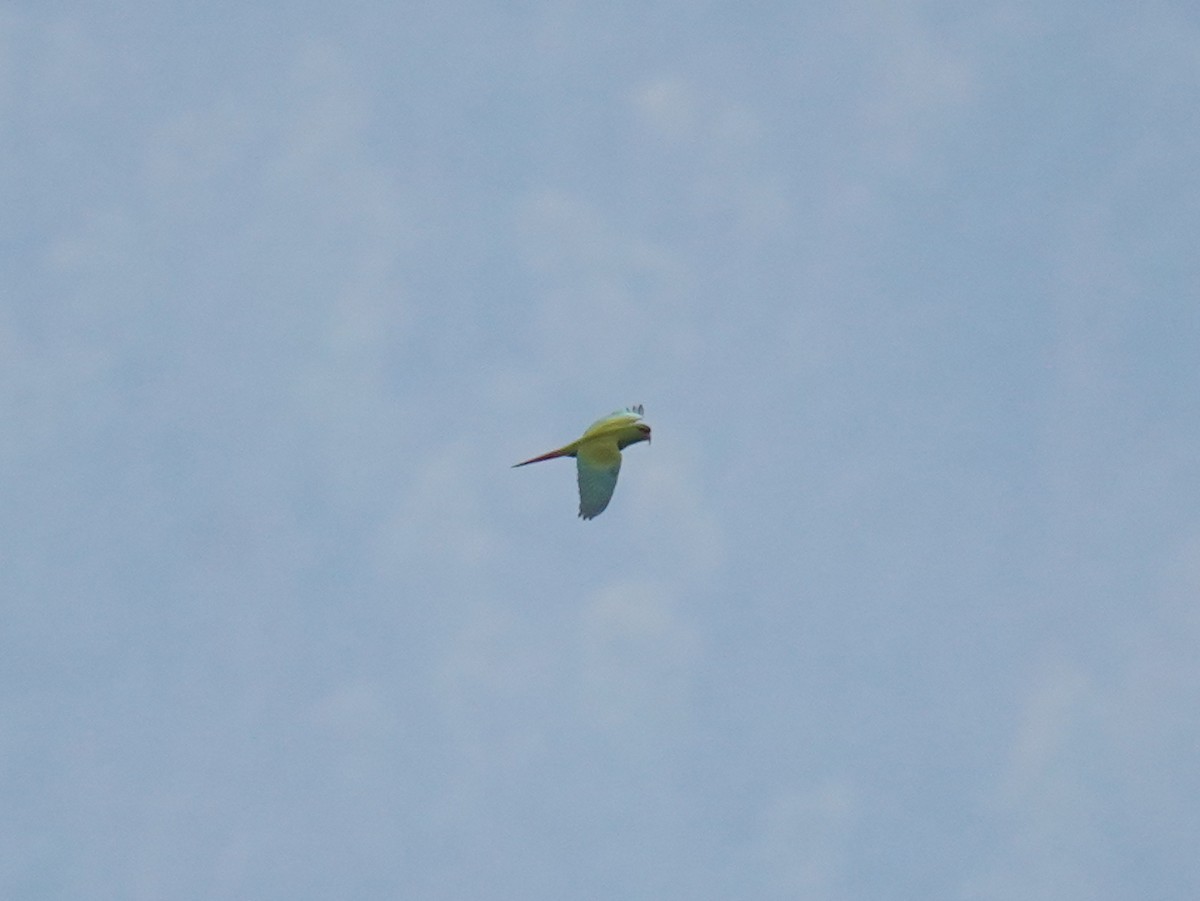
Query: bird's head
point(638, 431)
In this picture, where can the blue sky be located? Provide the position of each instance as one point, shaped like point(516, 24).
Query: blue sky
point(902, 601)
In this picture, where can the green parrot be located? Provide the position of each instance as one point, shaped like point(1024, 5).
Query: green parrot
point(597, 456)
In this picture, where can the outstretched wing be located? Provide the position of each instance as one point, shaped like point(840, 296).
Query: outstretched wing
point(598, 464)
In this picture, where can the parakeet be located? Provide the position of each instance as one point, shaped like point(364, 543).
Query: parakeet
point(597, 456)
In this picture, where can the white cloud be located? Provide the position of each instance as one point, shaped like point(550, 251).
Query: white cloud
point(241, 408)
point(718, 148)
point(438, 516)
point(803, 839)
point(674, 514)
point(609, 303)
point(1049, 848)
point(637, 660)
point(667, 106)
point(917, 78)
point(1046, 732)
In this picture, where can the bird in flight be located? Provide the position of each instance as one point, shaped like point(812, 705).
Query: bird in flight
point(597, 456)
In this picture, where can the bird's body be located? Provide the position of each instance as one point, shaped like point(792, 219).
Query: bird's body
point(597, 454)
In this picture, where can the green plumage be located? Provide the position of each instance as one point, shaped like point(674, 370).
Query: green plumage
point(597, 456)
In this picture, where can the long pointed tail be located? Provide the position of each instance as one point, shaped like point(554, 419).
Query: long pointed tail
point(561, 452)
